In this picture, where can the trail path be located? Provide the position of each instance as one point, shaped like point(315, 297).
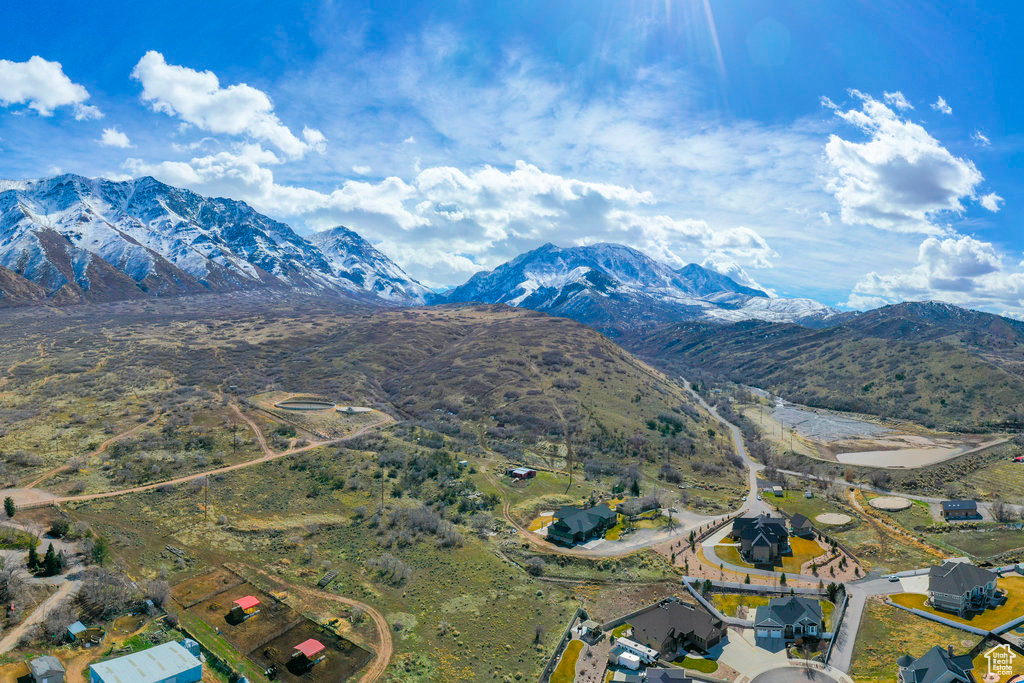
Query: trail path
point(24, 497)
point(67, 590)
point(99, 451)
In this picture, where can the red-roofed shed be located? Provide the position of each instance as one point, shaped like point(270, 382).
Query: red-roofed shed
point(310, 648)
point(247, 604)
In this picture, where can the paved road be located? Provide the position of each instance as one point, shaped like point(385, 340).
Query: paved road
point(792, 674)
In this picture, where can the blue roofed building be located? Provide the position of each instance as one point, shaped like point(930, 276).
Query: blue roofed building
point(168, 663)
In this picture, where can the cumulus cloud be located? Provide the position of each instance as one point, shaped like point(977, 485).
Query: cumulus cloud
point(941, 106)
point(112, 137)
point(197, 98)
point(960, 270)
point(729, 268)
point(445, 222)
point(901, 178)
point(897, 100)
point(42, 86)
point(991, 201)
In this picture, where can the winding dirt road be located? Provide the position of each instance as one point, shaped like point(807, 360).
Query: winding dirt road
point(30, 498)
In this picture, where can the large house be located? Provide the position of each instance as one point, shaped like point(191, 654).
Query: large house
point(575, 524)
point(938, 665)
point(763, 539)
point(960, 509)
point(672, 627)
point(960, 587)
point(784, 620)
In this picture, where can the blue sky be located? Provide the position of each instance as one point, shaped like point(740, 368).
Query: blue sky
point(801, 146)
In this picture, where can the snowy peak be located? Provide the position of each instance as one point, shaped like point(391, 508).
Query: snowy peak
point(353, 258)
point(616, 288)
point(98, 239)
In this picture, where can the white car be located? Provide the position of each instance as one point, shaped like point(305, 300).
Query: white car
point(759, 496)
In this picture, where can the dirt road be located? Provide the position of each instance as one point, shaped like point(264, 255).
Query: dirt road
point(67, 590)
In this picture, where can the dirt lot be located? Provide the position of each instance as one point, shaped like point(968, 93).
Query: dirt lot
point(341, 658)
point(273, 618)
point(189, 592)
point(269, 636)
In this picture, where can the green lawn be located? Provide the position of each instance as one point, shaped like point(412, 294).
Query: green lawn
point(803, 550)
point(620, 630)
point(795, 503)
point(917, 515)
point(990, 618)
point(887, 632)
point(729, 603)
point(706, 666)
point(565, 672)
point(730, 554)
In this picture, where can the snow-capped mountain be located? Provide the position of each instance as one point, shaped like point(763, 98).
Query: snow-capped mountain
point(615, 288)
point(353, 258)
point(83, 239)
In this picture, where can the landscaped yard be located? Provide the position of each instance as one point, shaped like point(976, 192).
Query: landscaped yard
point(541, 522)
point(804, 550)
point(706, 666)
point(731, 555)
point(620, 630)
point(565, 672)
point(990, 618)
point(729, 603)
point(887, 632)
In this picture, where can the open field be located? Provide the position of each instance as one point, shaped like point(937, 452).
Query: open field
point(990, 618)
point(983, 543)
point(887, 632)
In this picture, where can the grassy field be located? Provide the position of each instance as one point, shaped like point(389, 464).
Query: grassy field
point(917, 515)
point(887, 632)
point(731, 554)
point(729, 604)
point(701, 664)
point(990, 618)
point(982, 543)
point(565, 671)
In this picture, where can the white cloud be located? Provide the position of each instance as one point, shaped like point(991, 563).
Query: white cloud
point(942, 107)
point(445, 223)
point(112, 137)
point(198, 99)
point(960, 270)
point(901, 178)
point(897, 100)
point(731, 269)
point(362, 170)
point(991, 201)
point(980, 138)
point(409, 140)
point(43, 87)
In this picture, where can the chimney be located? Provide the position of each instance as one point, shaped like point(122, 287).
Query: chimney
point(949, 650)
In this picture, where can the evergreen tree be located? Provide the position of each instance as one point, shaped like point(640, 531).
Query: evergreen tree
point(636, 488)
point(51, 565)
point(9, 507)
point(33, 558)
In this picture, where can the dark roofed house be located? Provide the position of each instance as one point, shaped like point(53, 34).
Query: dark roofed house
point(784, 620)
point(575, 524)
point(802, 526)
point(673, 627)
point(763, 538)
point(960, 587)
point(668, 676)
point(938, 665)
point(960, 509)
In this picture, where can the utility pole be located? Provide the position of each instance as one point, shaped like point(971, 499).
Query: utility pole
point(206, 508)
point(382, 490)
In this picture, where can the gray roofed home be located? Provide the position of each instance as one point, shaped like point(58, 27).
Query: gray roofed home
point(672, 627)
point(763, 538)
point(668, 676)
point(960, 588)
point(938, 665)
point(576, 524)
point(784, 620)
point(801, 525)
point(46, 669)
point(960, 509)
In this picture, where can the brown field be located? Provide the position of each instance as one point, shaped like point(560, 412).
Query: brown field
point(193, 590)
point(273, 619)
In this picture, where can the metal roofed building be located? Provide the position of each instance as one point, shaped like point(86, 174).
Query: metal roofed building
point(46, 669)
point(167, 663)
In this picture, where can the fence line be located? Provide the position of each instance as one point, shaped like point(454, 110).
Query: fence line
point(566, 636)
point(939, 619)
point(838, 623)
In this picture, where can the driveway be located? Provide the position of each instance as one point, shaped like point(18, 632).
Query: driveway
point(792, 674)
